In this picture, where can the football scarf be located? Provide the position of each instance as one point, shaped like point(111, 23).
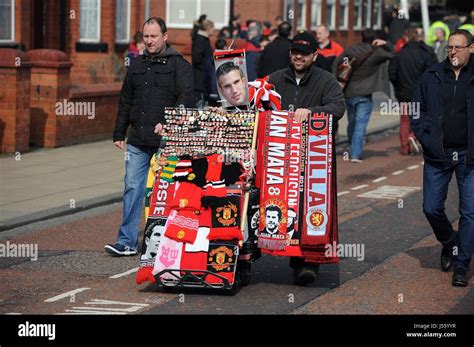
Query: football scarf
point(273, 198)
point(221, 261)
point(320, 213)
point(295, 175)
point(169, 254)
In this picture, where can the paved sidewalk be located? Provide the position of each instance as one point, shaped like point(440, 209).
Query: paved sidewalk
point(47, 183)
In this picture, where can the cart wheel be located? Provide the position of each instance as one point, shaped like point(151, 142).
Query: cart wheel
point(245, 268)
point(237, 284)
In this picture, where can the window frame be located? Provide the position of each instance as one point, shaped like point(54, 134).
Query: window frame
point(12, 27)
point(358, 20)
point(368, 13)
point(99, 23)
point(129, 15)
point(378, 6)
point(218, 25)
point(319, 5)
point(333, 3)
point(345, 14)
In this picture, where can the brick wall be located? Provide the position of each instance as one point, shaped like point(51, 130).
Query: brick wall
point(264, 10)
point(14, 101)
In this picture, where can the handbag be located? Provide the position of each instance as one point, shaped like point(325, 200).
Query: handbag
point(346, 68)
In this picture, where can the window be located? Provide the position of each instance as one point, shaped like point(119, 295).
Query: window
point(315, 13)
point(90, 21)
point(357, 14)
point(331, 14)
point(181, 14)
point(122, 21)
point(377, 15)
point(7, 21)
point(301, 13)
point(367, 12)
point(343, 14)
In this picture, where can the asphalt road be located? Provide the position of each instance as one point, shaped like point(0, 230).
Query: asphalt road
point(396, 273)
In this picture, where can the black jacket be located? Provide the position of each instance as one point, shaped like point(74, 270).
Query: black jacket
point(407, 67)
point(428, 126)
point(318, 91)
point(372, 75)
point(151, 84)
point(275, 56)
point(202, 63)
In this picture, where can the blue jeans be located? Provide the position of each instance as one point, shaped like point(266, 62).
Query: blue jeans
point(359, 109)
point(137, 163)
point(436, 178)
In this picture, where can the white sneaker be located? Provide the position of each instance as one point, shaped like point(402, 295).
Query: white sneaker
point(354, 160)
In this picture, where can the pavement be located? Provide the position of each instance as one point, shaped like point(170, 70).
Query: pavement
point(48, 183)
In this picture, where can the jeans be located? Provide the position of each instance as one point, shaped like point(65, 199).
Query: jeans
point(137, 163)
point(359, 109)
point(436, 178)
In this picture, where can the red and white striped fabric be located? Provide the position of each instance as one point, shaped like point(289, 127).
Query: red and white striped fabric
point(262, 95)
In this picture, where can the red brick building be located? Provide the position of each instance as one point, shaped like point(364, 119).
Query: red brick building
point(75, 51)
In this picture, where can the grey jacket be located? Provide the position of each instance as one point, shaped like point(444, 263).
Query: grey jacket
point(318, 91)
point(372, 75)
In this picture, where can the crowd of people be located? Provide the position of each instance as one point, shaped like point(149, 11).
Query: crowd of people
point(307, 71)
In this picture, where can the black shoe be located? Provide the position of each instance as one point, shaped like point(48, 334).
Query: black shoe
point(304, 275)
point(446, 258)
point(459, 278)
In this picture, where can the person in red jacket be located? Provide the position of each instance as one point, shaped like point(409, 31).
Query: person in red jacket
point(327, 47)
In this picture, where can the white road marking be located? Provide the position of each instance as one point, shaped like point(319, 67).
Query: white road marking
point(109, 302)
point(413, 167)
point(380, 179)
point(389, 192)
point(343, 193)
point(65, 295)
point(126, 273)
point(89, 308)
point(70, 312)
point(360, 187)
point(398, 172)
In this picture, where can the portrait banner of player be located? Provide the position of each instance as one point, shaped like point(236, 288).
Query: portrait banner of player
point(151, 241)
point(231, 78)
point(273, 224)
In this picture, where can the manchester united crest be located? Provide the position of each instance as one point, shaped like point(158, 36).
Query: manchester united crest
point(221, 258)
point(227, 214)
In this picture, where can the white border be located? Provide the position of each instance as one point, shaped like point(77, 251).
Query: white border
point(98, 25)
point(129, 13)
point(12, 14)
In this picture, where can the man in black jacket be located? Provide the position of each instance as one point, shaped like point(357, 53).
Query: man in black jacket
point(275, 55)
point(202, 62)
point(159, 78)
point(405, 72)
point(445, 129)
point(307, 89)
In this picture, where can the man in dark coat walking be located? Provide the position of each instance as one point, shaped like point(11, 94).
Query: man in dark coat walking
point(405, 72)
point(160, 78)
point(445, 129)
